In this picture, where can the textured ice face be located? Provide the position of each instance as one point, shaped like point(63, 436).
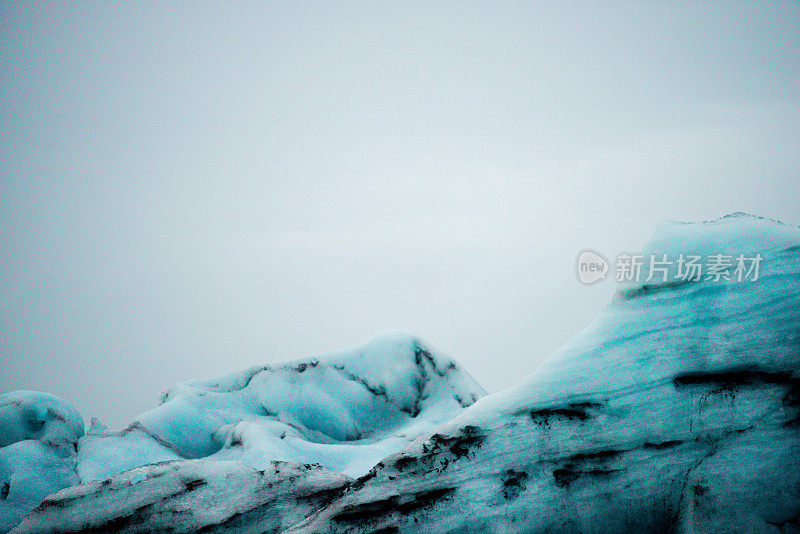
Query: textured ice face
point(39, 434)
point(677, 409)
point(343, 411)
point(190, 496)
point(40, 416)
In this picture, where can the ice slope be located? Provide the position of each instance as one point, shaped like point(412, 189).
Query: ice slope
point(676, 410)
point(38, 443)
point(343, 411)
point(190, 496)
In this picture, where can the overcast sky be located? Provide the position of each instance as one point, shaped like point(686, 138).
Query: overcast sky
point(189, 189)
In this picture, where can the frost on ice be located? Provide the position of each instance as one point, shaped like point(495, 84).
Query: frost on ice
point(676, 410)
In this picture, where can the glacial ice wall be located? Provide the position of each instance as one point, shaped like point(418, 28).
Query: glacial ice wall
point(676, 410)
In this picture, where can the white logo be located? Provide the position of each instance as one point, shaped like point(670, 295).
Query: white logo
point(591, 267)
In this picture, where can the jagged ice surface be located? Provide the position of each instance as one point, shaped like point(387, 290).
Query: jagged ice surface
point(343, 411)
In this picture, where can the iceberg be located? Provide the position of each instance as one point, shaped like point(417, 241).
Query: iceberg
point(676, 410)
point(342, 412)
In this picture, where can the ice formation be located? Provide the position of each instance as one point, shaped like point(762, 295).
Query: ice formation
point(343, 411)
point(677, 409)
point(190, 496)
point(39, 436)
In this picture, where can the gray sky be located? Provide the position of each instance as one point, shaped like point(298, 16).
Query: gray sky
point(192, 189)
